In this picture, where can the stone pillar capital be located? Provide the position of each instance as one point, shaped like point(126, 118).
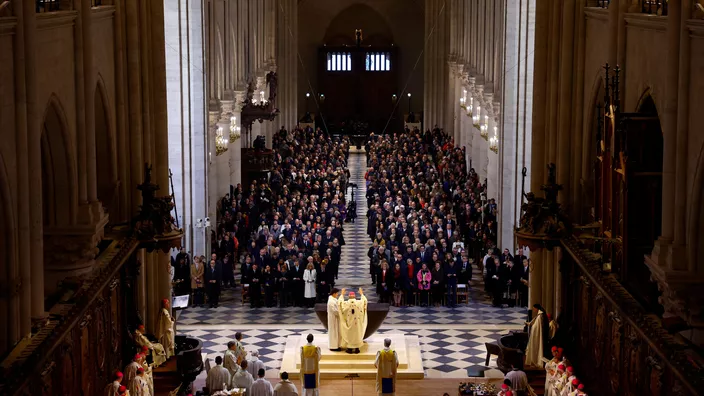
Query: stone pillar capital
point(213, 118)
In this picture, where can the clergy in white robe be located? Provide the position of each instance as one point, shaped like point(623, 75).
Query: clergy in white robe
point(240, 352)
point(148, 374)
point(571, 388)
point(230, 359)
point(131, 370)
point(242, 378)
point(113, 388)
point(537, 339)
point(386, 364)
point(285, 387)
point(253, 363)
point(262, 387)
point(551, 370)
point(141, 387)
point(310, 369)
point(519, 380)
point(156, 349)
point(165, 330)
point(353, 321)
point(334, 321)
point(218, 377)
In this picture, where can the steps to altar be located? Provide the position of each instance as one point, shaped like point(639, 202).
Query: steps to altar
point(341, 364)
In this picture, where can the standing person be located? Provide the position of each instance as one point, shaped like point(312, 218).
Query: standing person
point(269, 282)
point(255, 286)
point(438, 283)
point(285, 387)
point(551, 370)
point(297, 283)
point(523, 287)
point(451, 269)
point(519, 380)
point(230, 362)
point(424, 277)
point(353, 320)
point(334, 321)
point(131, 370)
point(213, 278)
point(113, 388)
point(399, 284)
point(310, 369)
point(243, 378)
point(197, 280)
point(538, 343)
point(253, 363)
point(262, 387)
point(324, 280)
point(386, 364)
point(240, 352)
point(492, 280)
point(309, 277)
point(464, 272)
point(218, 377)
point(165, 330)
point(141, 387)
point(384, 282)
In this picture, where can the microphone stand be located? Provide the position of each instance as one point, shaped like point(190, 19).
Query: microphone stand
point(352, 377)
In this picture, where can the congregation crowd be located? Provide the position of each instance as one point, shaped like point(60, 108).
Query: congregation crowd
point(430, 222)
point(290, 226)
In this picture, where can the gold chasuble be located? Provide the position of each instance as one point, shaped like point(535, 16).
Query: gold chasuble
point(310, 374)
point(386, 367)
point(353, 321)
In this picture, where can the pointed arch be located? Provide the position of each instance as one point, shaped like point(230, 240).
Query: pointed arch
point(106, 154)
point(60, 193)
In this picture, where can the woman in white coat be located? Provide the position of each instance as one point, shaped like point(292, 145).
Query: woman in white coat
point(309, 276)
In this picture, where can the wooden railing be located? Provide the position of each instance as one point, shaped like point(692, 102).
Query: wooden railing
point(618, 347)
point(82, 342)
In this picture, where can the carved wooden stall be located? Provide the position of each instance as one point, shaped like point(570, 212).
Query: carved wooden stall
point(83, 339)
point(617, 347)
point(87, 334)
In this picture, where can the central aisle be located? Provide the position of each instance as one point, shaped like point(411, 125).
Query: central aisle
point(354, 263)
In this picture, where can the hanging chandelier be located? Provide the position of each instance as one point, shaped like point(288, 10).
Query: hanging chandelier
point(234, 130)
point(221, 142)
point(494, 141)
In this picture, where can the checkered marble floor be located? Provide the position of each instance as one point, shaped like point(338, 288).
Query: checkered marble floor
point(446, 353)
point(452, 339)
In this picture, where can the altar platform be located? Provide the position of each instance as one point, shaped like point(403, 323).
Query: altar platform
point(340, 364)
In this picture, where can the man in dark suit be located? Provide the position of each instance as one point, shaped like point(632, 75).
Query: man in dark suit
point(464, 271)
point(451, 272)
point(255, 286)
point(523, 287)
point(213, 277)
point(296, 271)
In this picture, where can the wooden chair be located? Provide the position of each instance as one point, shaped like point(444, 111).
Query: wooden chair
point(492, 348)
point(245, 293)
point(462, 293)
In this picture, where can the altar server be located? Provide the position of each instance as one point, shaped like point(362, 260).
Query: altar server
point(310, 369)
point(218, 377)
point(386, 364)
point(262, 387)
point(285, 387)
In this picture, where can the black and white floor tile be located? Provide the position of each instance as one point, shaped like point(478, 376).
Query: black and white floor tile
point(446, 353)
point(452, 339)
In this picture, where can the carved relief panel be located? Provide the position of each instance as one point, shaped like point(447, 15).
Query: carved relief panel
point(615, 350)
point(599, 331)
